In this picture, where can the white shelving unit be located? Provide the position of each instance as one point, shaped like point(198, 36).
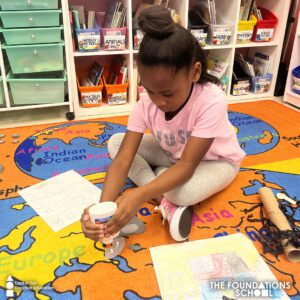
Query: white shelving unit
point(229, 10)
point(8, 105)
point(289, 95)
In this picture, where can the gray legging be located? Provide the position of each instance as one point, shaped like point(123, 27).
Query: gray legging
point(209, 178)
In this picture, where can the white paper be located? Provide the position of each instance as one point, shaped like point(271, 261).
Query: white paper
point(60, 200)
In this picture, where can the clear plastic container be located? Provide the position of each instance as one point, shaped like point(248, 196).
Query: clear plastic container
point(220, 34)
point(35, 58)
point(41, 89)
point(27, 36)
point(28, 4)
point(261, 84)
point(35, 18)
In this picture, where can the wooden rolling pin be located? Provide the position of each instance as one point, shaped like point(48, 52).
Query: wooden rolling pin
point(278, 218)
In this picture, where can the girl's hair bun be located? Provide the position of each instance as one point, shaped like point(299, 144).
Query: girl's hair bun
point(156, 22)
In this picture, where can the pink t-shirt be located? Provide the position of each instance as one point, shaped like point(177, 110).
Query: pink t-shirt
point(204, 115)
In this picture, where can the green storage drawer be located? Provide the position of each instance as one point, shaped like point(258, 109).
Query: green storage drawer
point(35, 58)
point(1, 92)
point(41, 89)
point(28, 4)
point(37, 18)
point(26, 36)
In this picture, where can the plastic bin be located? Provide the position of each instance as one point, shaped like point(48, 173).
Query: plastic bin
point(220, 34)
point(30, 89)
point(88, 39)
point(35, 58)
point(114, 94)
point(1, 92)
point(264, 29)
point(241, 83)
point(200, 32)
point(90, 96)
point(261, 84)
point(296, 80)
point(37, 18)
point(113, 38)
point(26, 36)
point(245, 30)
point(28, 4)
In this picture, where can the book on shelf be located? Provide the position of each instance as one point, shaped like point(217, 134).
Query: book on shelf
point(96, 73)
point(117, 73)
point(116, 15)
point(81, 15)
point(261, 63)
point(216, 67)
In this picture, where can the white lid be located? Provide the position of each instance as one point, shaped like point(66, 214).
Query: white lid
point(106, 207)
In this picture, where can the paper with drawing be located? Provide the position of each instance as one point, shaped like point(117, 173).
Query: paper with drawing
point(61, 200)
point(197, 269)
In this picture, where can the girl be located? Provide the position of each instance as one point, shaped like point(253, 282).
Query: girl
point(193, 150)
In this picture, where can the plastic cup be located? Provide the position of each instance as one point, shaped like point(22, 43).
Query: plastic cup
point(101, 213)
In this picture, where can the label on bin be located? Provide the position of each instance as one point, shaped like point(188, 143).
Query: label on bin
point(221, 37)
point(296, 84)
point(244, 36)
point(200, 36)
point(242, 88)
point(88, 42)
point(262, 85)
point(264, 34)
point(91, 98)
point(117, 98)
point(114, 42)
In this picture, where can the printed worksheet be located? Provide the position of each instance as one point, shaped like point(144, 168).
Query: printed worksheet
point(60, 200)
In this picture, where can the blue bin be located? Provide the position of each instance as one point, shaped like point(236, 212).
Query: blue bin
point(296, 80)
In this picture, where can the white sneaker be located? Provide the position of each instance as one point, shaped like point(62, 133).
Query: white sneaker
point(179, 218)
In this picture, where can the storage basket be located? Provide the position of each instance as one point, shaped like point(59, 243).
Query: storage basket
point(90, 96)
point(113, 38)
point(88, 39)
point(264, 29)
point(220, 34)
point(200, 32)
point(261, 84)
point(114, 94)
point(245, 30)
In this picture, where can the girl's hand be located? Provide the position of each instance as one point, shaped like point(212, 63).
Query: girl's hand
point(89, 229)
point(128, 205)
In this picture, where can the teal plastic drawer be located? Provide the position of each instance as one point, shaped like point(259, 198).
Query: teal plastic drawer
point(26, 36)
point(1, 92)
point(37, 18)
point(28, 4)
point(35, 58)
point(40, 89)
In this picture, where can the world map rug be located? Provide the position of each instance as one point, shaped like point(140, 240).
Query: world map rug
point(37, 263)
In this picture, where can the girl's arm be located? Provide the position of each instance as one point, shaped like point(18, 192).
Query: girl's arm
point(119, 167)
point(114, 181)
point(178, 174)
